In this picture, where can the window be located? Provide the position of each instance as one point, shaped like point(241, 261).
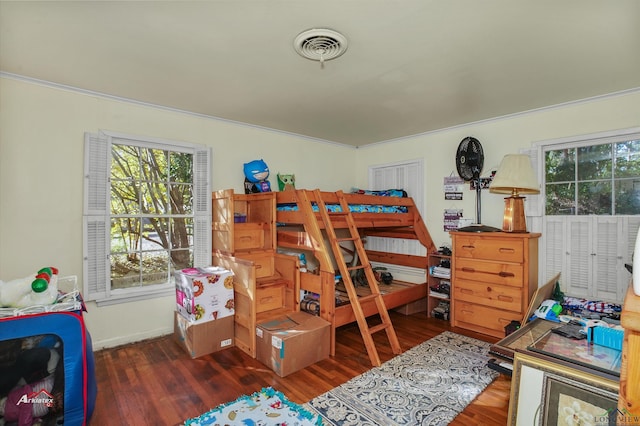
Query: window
point(600, 179)
point(591, 189)
point(147, 214)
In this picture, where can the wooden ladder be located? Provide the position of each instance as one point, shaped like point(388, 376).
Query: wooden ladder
point(329, 218)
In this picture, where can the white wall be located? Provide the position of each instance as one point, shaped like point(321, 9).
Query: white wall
point(498, 137)
point(41, 182)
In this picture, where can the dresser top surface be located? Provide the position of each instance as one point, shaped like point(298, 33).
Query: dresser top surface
point(497, 234)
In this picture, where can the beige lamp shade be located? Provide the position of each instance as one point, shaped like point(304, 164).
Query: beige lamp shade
point(515, 176)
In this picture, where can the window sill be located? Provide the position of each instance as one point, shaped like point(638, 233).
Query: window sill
point(135, 297)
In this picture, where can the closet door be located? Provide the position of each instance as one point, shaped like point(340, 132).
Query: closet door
point(410, 177)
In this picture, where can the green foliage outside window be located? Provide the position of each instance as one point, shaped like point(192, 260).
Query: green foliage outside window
point(599, 179)
point(151, 215)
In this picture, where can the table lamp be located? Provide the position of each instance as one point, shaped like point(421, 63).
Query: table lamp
point(515, 176)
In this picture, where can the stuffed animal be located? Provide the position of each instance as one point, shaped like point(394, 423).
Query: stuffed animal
point(286, 182)
point(40, 288)
point(27, 386)
point(256, 173)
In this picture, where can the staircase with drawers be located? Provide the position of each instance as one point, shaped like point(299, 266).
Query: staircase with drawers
point(494, 275)
point(266, 283)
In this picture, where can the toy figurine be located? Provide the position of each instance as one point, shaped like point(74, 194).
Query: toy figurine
point(286, 182)
point(256, 173)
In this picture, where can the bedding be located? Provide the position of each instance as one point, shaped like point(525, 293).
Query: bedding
point(383, 193)
point(359, 208)
point(353, 208)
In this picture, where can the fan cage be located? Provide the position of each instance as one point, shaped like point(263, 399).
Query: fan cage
point(469, 158)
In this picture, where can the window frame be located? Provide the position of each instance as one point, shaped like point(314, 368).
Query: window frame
point(555, 251)
point(97, 215)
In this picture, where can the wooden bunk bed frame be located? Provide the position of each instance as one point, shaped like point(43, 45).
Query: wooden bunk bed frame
point(302, 229)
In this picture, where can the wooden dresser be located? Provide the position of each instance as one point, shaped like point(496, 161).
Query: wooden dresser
point(494, 275)
point(629, 400)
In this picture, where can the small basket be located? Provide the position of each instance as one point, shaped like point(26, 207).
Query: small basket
point(69, 299)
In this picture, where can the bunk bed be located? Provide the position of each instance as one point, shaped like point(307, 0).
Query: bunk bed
point(376, 214)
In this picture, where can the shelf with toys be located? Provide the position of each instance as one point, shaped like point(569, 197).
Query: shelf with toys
point(439, 282)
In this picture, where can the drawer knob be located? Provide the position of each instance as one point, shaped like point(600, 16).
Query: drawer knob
point(466, 291)
point(469, 247)
point(505, 298)
point(506, 274)
point(506, 250)
point(467, 269)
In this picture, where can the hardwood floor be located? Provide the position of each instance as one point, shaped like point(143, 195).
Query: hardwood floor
point(155, 382)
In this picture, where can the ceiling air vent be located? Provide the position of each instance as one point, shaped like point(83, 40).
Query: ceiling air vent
point(320, 44)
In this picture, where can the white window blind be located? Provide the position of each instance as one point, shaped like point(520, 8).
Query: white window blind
point(96, 216)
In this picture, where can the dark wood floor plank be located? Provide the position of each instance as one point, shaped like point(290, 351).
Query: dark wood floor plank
point(155, 382)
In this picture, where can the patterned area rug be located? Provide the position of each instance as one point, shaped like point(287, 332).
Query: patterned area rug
point(265, 408)
point(426, 385)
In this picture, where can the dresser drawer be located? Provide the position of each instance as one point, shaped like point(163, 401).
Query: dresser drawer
point(508, 274)
point(499, 249)
point(483, 319)
point(495, 296)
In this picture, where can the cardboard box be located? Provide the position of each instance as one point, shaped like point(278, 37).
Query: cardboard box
point(292, 342)
point(203, 338)
point(204, 294)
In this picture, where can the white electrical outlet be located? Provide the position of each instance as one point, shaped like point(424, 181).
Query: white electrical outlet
point(226, 343)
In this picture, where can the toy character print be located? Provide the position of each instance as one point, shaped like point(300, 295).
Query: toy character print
point(256, 173)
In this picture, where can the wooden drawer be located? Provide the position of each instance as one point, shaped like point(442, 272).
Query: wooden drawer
point(310, 282)
point(269, 298)
point(248, 236)
point(263, 263)
point(495, 296)
point(499, 249)
point(483, 319)
point(489, 272)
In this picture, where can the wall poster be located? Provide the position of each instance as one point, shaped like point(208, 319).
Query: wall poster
point(452, 219)
point(453, 187)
